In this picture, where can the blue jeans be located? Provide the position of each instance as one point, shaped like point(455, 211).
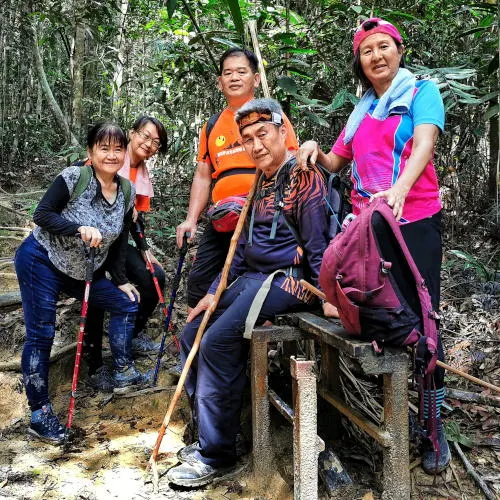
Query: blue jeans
point(41, 283)
point(216, 380)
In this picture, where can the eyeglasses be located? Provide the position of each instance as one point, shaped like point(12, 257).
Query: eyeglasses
point(154, 142)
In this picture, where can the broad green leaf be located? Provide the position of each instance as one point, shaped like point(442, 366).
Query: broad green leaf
point(454, 434)
point(294, 50)
point(356, 8)
point(234, 7)
point(464, 95)
point(171, 4)
point(471, 31)
point(338, 101)
point(310, 103)
point(353, 98)
point(461, 86)
point(288, 38)
point(316, 119)
point(295, 18)
point(469, 100)
point(490, 96)
point(299, 72)
point(491, 112)
point(225, 41)
point(181, 32)
point(459, 76)
point(287, 84)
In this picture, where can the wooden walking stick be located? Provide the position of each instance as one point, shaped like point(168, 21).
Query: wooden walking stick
point(476, 380)
point(220, 289)
point(201, 330)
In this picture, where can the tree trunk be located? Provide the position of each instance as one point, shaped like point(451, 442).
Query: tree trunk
point(78, 64)
point(49, 96)
point(493, 162)
point(120, 61)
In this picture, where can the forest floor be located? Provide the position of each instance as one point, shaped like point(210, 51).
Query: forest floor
point(114, 437)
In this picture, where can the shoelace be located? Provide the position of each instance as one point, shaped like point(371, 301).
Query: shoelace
point(50, 421)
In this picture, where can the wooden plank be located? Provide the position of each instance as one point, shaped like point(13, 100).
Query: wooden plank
point(332, 332)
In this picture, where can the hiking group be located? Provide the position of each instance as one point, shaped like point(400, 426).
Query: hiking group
point(389, 141)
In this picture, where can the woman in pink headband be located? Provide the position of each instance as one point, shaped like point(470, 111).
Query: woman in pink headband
point(390, 138)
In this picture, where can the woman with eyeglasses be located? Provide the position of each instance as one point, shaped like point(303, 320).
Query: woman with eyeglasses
point(390, 139)
point(147, 137)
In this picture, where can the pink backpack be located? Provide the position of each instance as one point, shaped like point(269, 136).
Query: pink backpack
point(368, 273)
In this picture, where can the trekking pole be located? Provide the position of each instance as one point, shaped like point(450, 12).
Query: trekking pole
point(476, 380)
point(173, 294)
point(89, 271)
point(149, 265)
point(201, 330)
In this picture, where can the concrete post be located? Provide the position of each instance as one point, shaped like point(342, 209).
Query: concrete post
point(396, 479)
point(305, 449)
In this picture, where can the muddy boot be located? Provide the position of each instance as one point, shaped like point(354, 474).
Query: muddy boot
point(46, 426)
point(128, 379)
point(143, 345)
point(102, 380)
point(242, 449)
point(195, 473)
point(431, 463)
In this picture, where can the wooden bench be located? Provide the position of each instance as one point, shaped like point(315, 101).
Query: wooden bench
point(392, 435)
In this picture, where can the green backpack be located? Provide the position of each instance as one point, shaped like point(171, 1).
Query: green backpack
point(84, 181)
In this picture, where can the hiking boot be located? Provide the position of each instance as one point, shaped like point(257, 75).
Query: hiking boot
point(429, 463)
point(102, 380)
point(195, 473)
point(128, 380)
point(143, 345)
point(185, 454)
point(46, 426)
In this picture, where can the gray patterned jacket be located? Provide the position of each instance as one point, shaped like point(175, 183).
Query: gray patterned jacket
point(58, 218)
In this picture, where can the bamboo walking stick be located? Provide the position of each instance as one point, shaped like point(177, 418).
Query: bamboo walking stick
point(476, 380)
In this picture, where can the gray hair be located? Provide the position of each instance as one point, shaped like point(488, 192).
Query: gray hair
point(269, 106)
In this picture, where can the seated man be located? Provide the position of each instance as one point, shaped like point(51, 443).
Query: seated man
point(282, 243)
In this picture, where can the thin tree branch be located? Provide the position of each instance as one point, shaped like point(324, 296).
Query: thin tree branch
point(202, 37)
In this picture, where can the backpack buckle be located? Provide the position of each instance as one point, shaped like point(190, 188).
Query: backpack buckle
point(385, 266)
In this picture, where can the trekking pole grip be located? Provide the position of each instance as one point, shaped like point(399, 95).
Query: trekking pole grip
point(185, 238)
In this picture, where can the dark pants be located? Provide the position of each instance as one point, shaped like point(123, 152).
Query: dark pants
point(217, 377)
point(423, 239)
point(142, 279)
point(41, 283)
point(208, 263)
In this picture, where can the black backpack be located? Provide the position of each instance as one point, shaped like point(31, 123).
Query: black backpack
point(336, 200)
point(210, 125)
